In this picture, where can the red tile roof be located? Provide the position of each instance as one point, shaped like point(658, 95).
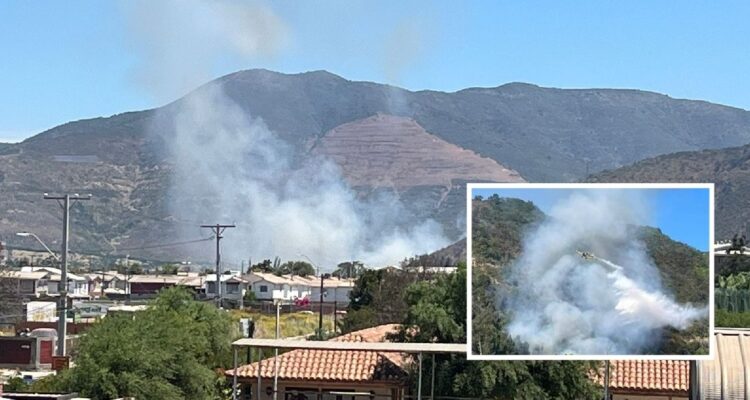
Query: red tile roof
point(648, 375)
point(335, 365)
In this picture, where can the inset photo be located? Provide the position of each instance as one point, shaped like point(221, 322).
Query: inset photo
point(590, 271)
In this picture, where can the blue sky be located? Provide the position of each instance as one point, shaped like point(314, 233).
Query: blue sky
point(682, 214)
point(64, 61)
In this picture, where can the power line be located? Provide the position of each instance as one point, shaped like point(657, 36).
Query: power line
point(153, 246)
point(156, 246)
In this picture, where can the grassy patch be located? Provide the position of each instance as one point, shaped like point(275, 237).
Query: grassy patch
point(728, 319)
point(292, 324)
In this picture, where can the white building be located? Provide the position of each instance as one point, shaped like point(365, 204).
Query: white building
point(334, 290)
point(263, 286)
point(232, 287)
point(45, 281)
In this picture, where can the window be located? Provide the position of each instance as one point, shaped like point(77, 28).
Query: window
point(27, 286)
point(263, 288)
point(233, 287)
point(294, 393)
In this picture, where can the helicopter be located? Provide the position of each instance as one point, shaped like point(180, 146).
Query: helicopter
point(585, 255)
point(738, 245)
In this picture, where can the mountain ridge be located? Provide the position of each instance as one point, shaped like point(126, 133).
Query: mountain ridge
point(544, 134)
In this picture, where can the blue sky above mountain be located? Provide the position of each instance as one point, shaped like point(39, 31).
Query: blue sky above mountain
point(73, 60)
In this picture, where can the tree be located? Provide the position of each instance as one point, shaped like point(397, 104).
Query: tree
point(300, 268)
point(130, 269)
point(437, 312)
point(349, 269)
point(169, 269)
point(263, 266)
point(169, 351)
point(377, 298)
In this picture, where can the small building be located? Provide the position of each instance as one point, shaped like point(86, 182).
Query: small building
point(50, 285)
point(330, 374)
point(148, 285)
point(334, 290)
point(26, 352)
point(264, 284)
point(28, 284)
point(232, 287)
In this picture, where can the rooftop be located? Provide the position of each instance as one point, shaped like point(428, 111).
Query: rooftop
point(649, 375)
point(359, 356)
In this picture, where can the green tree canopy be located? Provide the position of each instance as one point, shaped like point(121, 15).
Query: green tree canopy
point(349, 269)
point(378, 297)
point(168, 351)
point(300, 268)
point(169, 269)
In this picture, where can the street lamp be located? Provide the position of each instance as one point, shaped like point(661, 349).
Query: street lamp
point(29, 234)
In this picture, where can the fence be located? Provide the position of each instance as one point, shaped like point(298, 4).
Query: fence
point(733, 300)
point(267, 307)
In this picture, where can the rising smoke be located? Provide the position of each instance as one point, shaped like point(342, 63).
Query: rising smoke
point(564, 304)
point(242, 172)
point(229, 167)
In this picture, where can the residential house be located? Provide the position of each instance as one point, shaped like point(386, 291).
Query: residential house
point(290, 286)
point(232, 287)
point(330, 374)
point(334, 290)
point(107, 282)
point(77, 285)
point(29, 284)
point(150, 285)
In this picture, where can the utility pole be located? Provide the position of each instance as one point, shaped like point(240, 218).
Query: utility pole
point(218, 229)
point(606, 380)
point(62, 319)
point(320, 318)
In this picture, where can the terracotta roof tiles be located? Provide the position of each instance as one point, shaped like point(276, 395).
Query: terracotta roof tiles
point(333, 365)
point(649, 375)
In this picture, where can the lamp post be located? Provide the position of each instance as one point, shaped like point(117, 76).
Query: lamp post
point(29, 234)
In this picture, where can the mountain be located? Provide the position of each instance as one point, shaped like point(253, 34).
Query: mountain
point(728, 169)
point(511, 132)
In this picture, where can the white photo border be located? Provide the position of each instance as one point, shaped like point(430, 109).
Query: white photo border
point(500, 357)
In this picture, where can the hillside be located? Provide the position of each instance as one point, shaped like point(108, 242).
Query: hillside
point(728, 168)
point(365, 149)
point(510, 132)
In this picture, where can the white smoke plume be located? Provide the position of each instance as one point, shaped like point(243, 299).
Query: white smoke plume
point(180, 44)
point(564, 304)
point(230, 167)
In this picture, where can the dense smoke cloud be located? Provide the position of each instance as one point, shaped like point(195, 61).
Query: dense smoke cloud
point(564, 304)
point(231, 167)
